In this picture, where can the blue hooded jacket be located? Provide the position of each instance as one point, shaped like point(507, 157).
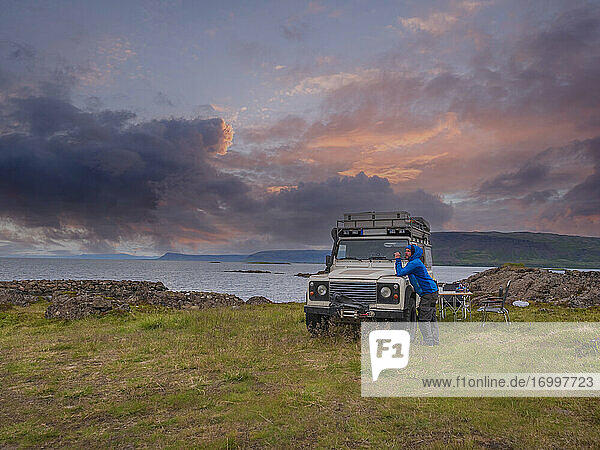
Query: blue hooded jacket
point(417, 273)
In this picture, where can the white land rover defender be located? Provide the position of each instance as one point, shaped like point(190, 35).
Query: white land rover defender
point(360, 282)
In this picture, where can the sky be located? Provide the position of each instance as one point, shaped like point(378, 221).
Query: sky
point(237, 126)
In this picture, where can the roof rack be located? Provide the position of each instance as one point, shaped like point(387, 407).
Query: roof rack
point(396, 223)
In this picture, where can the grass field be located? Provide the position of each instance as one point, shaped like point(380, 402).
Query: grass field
point(249, 377)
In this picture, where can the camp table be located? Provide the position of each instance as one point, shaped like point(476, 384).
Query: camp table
point(459, 303)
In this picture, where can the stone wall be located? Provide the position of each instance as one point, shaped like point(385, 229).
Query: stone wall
point(73, 299)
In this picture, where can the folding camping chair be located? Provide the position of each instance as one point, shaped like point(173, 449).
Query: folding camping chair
point(495, 305)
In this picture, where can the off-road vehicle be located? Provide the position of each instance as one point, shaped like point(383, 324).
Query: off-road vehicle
point(360, 281)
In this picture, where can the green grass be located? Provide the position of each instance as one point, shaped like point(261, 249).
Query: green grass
point(249, 377)
point(513, 265)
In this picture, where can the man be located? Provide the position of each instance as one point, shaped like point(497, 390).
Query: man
point(427, 289)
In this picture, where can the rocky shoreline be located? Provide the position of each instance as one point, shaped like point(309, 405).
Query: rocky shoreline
point(74, 299)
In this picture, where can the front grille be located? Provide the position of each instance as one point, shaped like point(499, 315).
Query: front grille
point(360, 292)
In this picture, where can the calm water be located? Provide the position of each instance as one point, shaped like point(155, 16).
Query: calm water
point(280, 286)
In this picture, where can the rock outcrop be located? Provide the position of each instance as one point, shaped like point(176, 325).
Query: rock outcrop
point(569, 288)
point(258, 300)
point(306, 275)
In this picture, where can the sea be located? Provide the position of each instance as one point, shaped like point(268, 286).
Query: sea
point(280, 285)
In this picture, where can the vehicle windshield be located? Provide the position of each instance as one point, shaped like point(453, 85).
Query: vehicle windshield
point(383, 249)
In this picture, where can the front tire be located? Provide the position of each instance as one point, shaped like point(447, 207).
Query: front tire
point(317, 323)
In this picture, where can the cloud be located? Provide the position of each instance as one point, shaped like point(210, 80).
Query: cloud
point(515, 183)
point(284, 129)
point(295, 32)
point(95, 181)
point(437, 23)
point(471, 128)
point(440, 22)
point(556, 190)
point(582, 200)
point(161, 99)
point(315, 7)
point(556, 168)
point(327, 83)
point(307, 213)
point(253, 55)
point(97, 176)
point(20, 51)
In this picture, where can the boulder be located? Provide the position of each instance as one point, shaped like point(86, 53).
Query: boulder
point(258, 300)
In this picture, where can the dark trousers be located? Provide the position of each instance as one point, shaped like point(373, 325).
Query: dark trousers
point(428, 320)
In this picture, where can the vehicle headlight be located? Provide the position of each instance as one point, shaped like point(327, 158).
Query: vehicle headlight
point(385, 292)
point(322, 290)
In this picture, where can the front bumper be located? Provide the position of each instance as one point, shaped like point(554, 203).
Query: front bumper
point(340, 312)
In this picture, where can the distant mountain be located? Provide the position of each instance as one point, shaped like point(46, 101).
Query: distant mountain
point(490, 248)
point(183, 257)
point(452, 248)
point(110, 256)
point(275, 256)
point(295, 256)
point(493, 248)
point(86, 256)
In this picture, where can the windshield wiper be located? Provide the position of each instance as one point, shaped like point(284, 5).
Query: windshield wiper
point(350, 257)
point(385, 258)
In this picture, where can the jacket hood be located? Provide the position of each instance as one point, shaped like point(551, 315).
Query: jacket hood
point(416, 251)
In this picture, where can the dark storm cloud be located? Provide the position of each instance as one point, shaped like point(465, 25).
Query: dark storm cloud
point(64, 169)
point(546, 172)
point(556, 190)
point(515, 183)
point(19, 52)
point(583, 199)
point(161, 99)
point(97, 179)
point(306, 214)
point(93, 103)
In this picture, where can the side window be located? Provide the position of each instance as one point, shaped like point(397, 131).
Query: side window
point(428, 259)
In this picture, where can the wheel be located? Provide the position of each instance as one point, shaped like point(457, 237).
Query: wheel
point(410, 316)
point(317, 323)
